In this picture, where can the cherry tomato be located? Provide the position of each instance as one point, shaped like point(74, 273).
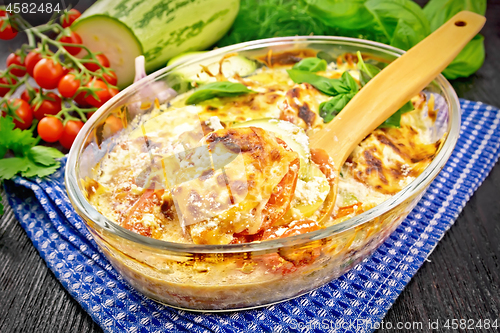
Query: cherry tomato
point(80, 99)
point(8, 32)
point(103, 94)
point(31, 60)
point(113, 91)
point(73, 38)
point(70, 132)
point(26, 96)
point(50, 129)
point(110, 78)
point(47, 73)
point(24, 112)
point(4, 80)
point(68, 85)
point(48, 107)
point(14, 59)
point(103, 60)
point(70, 17)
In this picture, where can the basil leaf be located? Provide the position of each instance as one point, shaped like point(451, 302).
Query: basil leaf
point(217, 89)
point(348, 81)
point(342, 89)
point(405, 37)
point(395, 119)
point(329, 109)
point(471, 58)
point(468, 61)
point(394, 18)
point(311, 65)
point(326, 56)
point(331, 87)
point(440, 11)
point(366, 71)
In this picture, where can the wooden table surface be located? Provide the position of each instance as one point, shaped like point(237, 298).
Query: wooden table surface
point(460, 280)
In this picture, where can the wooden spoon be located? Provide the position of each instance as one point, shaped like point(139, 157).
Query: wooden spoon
point(389, 90)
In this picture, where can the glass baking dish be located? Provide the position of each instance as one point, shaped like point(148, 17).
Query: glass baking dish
point(242, 276)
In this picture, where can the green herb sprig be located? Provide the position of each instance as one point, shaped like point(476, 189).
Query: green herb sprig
point(342, 89)
point(30, 160)
point(328, 110)
point(330, 87)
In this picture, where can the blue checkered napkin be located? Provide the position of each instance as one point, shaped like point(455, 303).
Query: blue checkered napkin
point(355, 302)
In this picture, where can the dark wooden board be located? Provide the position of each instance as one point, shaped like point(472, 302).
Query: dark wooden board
point(460, 281)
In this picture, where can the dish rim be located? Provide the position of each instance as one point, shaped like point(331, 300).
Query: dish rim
point(83, 207)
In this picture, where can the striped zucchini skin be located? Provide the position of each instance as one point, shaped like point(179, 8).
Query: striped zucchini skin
point(166, 28)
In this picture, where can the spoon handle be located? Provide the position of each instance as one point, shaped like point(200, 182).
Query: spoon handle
point(395, 85)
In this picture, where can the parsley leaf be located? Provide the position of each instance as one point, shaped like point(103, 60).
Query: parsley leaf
point(29, 160)
point(9, 167)
point(3, 151)
point(44, 155)
point(15, 139)
point(39, 170)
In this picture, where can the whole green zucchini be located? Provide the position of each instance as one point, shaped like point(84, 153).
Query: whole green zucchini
point(158, 29)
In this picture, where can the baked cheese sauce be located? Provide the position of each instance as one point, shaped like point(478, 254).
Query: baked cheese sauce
point(190, 174)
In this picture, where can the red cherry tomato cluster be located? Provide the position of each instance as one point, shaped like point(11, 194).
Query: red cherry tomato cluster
point(50, 75)
point(79, 85)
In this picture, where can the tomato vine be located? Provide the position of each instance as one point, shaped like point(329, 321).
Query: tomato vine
point(72, 82)
point(56, 59)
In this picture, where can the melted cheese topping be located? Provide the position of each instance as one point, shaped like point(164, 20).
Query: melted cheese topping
point(182, 174)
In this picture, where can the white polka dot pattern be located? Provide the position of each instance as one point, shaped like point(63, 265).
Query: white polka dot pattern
point(365, 293)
